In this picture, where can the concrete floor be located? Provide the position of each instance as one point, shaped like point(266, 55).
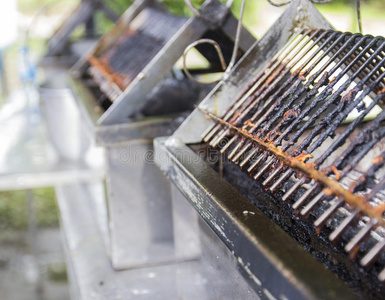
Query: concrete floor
point(22, 277)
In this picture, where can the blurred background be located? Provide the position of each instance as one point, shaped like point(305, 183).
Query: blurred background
point(25, 28)
point(36, 20)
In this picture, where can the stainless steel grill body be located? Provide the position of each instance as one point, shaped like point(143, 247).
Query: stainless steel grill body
point(299, 131)
point(135, 186)
point(294, 91)
point(270, 260)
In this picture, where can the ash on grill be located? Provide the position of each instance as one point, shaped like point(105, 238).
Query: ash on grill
point(309, 127)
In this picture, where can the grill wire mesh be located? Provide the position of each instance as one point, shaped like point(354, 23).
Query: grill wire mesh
point(309, 127)
point(116, 67)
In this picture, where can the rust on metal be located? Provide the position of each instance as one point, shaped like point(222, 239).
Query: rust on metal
point(327, 192)
point(124, 60)
point(377, 160)
point(106, 71)
point(357, 201)
point(336, 172)
point(293, 125)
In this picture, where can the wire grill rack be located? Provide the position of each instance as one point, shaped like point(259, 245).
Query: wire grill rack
point(310, 127)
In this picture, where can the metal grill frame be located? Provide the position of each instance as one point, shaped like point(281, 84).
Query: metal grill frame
point(199, 183)
point(132, 98)
point(269, 258)
point(132, 186)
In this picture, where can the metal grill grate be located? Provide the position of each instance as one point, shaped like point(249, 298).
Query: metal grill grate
point(309, 127)
point(136, 58)
point(115, 68)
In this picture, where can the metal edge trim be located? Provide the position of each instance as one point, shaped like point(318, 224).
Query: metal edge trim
point(272, 261)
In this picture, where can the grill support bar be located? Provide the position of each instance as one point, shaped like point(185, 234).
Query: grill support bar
point(297, 164)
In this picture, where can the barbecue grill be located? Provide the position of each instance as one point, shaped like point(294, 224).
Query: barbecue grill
point(59, 47)
point(129, 93)
point(297, 131)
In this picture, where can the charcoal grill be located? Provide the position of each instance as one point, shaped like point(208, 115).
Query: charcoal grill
point(297, 129)
point(128, 97)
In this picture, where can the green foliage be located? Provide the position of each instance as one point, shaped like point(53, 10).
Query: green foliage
point(362, 1)
point(119, 6)
point(57, 272)
point(32, 7)
point(46, 207)
point(179, 7)
point(13, 209)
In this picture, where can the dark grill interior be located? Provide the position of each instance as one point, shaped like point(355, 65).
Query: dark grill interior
point(309, 129)
point(332, 257)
